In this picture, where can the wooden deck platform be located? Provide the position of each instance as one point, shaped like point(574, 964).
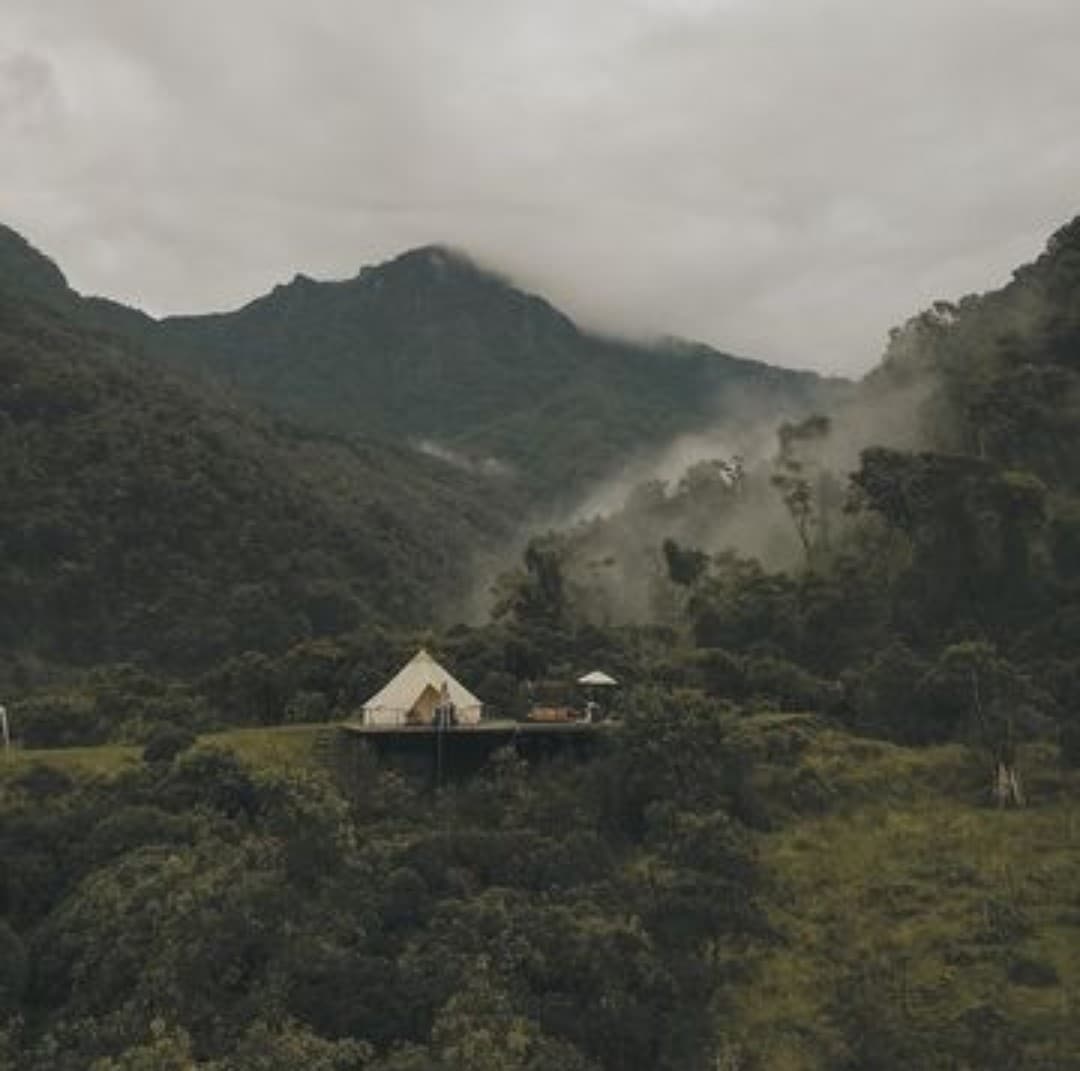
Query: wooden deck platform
point(463, 750)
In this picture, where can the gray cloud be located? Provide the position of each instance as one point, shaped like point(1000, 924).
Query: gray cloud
point(783, 178)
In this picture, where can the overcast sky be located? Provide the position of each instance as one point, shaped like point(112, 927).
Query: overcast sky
point(781, 178)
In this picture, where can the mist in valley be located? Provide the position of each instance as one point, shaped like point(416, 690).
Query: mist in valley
point(714, 491)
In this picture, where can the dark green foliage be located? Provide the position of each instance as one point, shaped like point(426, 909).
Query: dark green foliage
point(111, 702)
point(873, 1008)
point(58, 719)
point(518, 921)
point(887, 695)
point(974, 532)
point(166, 742)
point(1033, 973)
point(145, 518)
point(132, 827)
point(723, 675)
point(788, 685)
point(740, 606)
point(1070, 742)
point(213, 779)
point(685, 564)
point(247, 688)
point(539, 596)
point(14, 968)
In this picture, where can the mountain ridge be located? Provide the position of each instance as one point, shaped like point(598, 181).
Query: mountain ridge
point(432, 346)
point(435, 345)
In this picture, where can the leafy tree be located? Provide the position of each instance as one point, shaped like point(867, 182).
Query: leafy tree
point(889, 699)
point(287, 1046)
point(57, 719)
point(685, 565)
point(544, 598)
point(973, 532)
point(166, 1050)
point(972, 682)
point(805, 485)
point(742, 607)
point(478, 1030)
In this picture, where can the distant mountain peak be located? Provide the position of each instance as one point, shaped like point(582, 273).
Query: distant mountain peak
point(430, 264)
point(437, 256)
point(443, 277)
point(440, 257)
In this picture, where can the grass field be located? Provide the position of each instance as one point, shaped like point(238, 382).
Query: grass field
point(103, 760)
point(268, 746)
point(279, 745)
point(909, 907)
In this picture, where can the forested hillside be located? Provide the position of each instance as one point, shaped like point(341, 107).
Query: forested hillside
point(147, 517)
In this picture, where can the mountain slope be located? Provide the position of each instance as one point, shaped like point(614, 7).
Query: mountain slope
point(428, 347)
point(143, 515)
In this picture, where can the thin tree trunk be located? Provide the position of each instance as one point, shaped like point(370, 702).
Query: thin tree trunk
point(1007, 789)
point(1006, 786)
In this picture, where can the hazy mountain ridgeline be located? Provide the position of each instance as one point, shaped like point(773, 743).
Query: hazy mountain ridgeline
point(432, 350)
point(145, 515)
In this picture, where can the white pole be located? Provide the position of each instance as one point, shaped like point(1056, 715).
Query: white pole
point(5, 731)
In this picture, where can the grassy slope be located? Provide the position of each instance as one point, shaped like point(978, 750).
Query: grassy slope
point(106, 760)
point(282, 745)
point(908, 892)
point(279, 745)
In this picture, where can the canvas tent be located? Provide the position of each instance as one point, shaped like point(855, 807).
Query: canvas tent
point(411, 697)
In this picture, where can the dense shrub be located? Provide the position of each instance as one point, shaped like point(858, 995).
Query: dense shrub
point(166, 742)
